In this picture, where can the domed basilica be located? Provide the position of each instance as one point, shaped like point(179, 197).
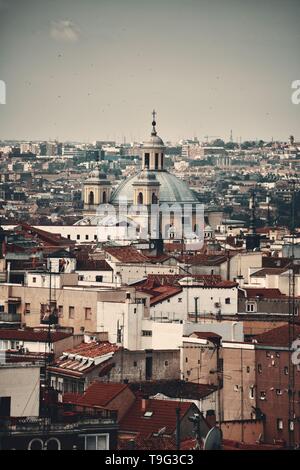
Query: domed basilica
point(152, 185)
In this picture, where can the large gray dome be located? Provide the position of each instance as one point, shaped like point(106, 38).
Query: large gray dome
point(171, 189)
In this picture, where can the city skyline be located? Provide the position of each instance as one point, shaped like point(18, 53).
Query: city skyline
point(95, 70)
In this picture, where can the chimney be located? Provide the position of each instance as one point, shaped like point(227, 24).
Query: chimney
point(144, 404)
point(211, 418)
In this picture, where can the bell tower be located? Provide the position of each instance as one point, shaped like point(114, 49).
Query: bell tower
point(146, 189)
point(96, 191)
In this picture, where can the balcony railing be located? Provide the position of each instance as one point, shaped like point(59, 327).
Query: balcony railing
point(10, 317)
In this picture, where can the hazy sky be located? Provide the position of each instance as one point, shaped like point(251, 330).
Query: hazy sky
point(95, 69)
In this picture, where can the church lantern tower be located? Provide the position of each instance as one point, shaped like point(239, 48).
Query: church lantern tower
point(153, 150)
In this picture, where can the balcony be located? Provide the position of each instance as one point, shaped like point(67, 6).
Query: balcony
point(10, 317)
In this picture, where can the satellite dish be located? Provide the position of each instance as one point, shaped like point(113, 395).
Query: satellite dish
point(213, 439)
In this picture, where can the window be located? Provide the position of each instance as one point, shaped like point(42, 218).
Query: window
point(1, 308)
point(78, 237)
point(227, 300)
point(286, 370)
point(263, 395)
point(134, 364)
point(236, 388)
point(5, 405)
point(291, 425)
point(80, 278)
point(147, 159)
point(259, 368)
point(27, 309)
point(71, 312)
point(166, 363)
point(248, 369)
point(69, 237)
point(97, 442)
point(88, 313)
point(250, 307)
point(186, 359)
point(34, 280)
point(279, 424)
point(95, 237)
point(278, 391)
point(86, 237)
point(252, 392)
point(146, 332)
point(180, 300)
point(99, 278)
point(140, 198)
point(277, 354)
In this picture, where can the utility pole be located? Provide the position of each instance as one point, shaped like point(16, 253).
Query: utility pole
point(196, 309)
point(177, 428)
point(291, 334)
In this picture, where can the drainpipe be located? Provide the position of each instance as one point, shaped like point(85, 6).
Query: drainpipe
point(8, 272)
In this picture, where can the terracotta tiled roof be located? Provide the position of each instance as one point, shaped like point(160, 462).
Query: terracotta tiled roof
point(173, 389)
point(126, 254)
point(163, 415)
point(213, 337)
point(208, 280)
point(101, 394)
point(263, 272)
point(278, 336)
point(93, 349)
point(264, 293)
point(150, 443)
point(93, 265)
point(84, 358)
point(31, 335)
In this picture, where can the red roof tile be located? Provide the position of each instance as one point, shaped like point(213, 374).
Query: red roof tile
point(264, 293)
point(93, 349)
point(101, 394)
point(126, 254)
point(31, 335)
point(164, 415)
point(278, 336)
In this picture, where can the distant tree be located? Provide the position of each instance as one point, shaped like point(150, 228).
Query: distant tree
point(218, 143)
point(231, 145)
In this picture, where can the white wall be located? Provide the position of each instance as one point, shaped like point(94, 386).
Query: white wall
point(22, 384)
point(180, 305)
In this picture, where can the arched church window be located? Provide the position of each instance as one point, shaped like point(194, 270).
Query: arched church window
point(140, 198)
point(154, 198)
point(156, 161)
point(91, 198)
point(104, 197)
point(147, 160)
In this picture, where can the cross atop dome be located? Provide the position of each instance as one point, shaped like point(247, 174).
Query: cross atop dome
point(153, 122)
